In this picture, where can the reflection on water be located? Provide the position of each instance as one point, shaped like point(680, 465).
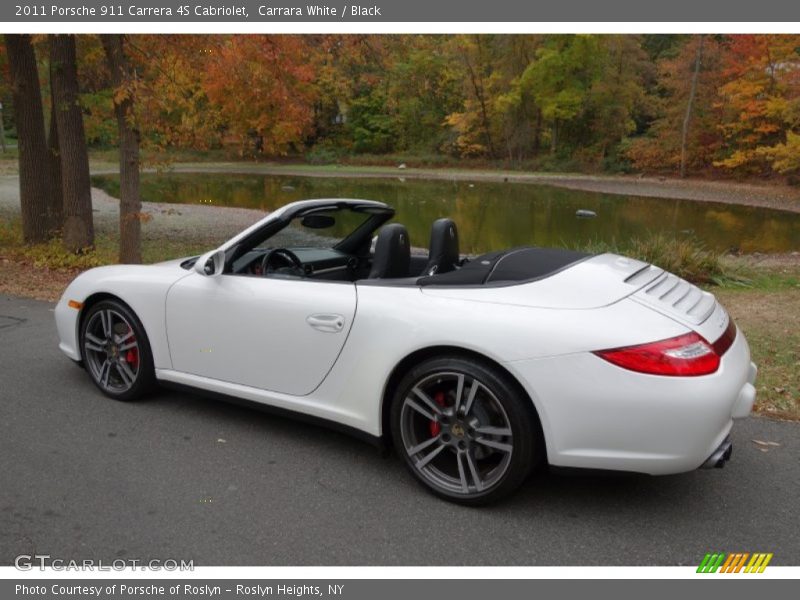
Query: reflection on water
point(493, 215)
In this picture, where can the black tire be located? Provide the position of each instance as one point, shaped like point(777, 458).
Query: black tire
point(499, 414)
point(130, 374)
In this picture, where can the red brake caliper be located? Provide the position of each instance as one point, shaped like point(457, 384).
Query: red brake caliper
point(132, 355)
point(434, 426)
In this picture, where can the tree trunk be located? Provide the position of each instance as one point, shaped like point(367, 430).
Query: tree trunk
point(2, 130)
point(130, 204)
point(689, 105)
point(537, 132)
point(477, 87)
point(34, 188)
point(78, 224)
point(56, 206)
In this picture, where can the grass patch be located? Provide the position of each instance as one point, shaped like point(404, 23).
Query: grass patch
point(420, 159)
point(764, 300)
point(9, 162)
point(770, 319)
point(745, 276)
point(778, 383)
point(154, 158)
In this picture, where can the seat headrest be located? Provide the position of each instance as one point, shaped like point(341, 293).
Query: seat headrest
point(392, 253)
point(443, 255)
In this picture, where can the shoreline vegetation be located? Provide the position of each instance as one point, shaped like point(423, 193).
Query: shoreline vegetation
point(769, 193)
point(779, 197)
point(761, 291)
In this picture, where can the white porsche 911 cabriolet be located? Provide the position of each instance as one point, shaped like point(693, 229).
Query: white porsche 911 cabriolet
point(475, 370)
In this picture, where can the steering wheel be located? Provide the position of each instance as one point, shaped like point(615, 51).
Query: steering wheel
point(281, 261)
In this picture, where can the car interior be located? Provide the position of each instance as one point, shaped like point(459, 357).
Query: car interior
point(388, 258)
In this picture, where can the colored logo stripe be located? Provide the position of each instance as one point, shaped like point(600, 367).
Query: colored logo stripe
point(735, 562)
point(758, 563)
point(711, 563)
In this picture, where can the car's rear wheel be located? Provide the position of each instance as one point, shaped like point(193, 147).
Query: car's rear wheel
point(464, 429)
point(116, 352)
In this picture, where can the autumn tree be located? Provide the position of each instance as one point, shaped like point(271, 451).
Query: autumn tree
point(78, 232)
point(172, 108)
point(661, 146)
point(760, 111)
point(496, 103)
point(38, 218)
point(473, 123)
point(263, 84)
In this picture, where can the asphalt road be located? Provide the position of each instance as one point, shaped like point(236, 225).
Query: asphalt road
point(179, 476)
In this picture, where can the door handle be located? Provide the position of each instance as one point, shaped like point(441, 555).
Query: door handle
point(328, 323)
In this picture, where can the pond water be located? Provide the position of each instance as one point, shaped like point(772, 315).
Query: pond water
point(493, 215)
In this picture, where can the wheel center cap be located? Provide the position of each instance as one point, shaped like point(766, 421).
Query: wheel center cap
point(457, 430)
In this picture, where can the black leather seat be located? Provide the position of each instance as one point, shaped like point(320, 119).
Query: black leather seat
point(443, 254)
point(392, 253)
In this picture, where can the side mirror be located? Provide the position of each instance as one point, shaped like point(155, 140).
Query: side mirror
point(211, 264)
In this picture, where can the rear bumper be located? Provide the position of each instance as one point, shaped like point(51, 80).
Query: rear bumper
point(597, 415)
point(747, 395)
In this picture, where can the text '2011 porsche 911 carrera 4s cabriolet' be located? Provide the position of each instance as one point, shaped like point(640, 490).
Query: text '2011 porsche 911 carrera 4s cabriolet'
point(475, 369)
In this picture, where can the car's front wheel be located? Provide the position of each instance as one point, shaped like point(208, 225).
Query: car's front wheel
point(464, 430)
point(116, 352)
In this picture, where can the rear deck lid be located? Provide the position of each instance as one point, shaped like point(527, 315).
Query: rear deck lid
point(597, 281)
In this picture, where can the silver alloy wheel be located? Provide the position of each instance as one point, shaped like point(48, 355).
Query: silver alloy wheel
point(111, 351)
point(456, 433)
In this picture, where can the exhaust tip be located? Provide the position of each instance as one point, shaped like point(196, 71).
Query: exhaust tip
point(720, 456)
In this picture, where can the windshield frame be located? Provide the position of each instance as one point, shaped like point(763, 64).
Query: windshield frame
point(352, 243)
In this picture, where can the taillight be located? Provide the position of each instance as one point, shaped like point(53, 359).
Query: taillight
point(687, 355)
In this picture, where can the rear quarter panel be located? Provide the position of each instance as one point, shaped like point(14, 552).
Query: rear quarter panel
point(394, 322)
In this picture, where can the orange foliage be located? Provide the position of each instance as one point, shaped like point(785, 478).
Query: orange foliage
point(758, 99)
point(170, 103)
point(262, 85)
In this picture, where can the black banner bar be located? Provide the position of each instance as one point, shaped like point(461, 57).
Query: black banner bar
point(458, 11)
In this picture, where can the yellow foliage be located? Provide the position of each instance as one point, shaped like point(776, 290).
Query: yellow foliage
point(784, 157)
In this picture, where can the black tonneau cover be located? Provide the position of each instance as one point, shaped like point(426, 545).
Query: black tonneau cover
point(507, 267)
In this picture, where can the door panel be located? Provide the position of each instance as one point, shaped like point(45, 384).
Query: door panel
point(276, 334)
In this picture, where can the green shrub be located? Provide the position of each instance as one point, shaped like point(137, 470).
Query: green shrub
point(52, 255)
point(323, 154)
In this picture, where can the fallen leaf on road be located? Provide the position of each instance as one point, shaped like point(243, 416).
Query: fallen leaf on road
point(761, 443)
point(221, 441)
